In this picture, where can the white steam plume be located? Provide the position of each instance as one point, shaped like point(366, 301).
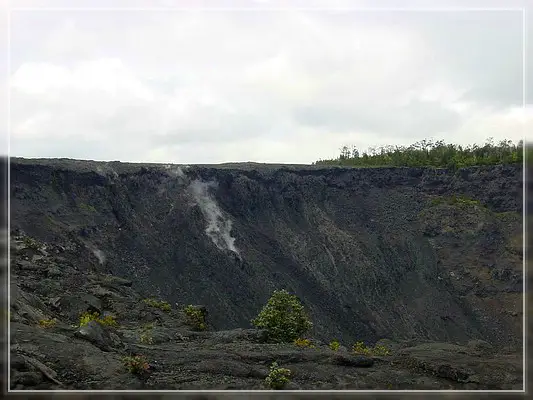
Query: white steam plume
point(218, 226)
point(99, 254)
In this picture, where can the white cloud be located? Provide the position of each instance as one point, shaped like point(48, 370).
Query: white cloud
point(195, 87)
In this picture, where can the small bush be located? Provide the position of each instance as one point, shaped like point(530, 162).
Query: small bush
point(378, 350)
point(146, 338)
point(304, 343)
point(87, 207)
point(108, 320)
point(162, 305)
point(136, 364)
point(283, 317)
point(360, 348)
point(146, 334)
point(455, 200)
point(47, 323)
point(278, 377)
point(31, 243)
point(196, 317)
point(334, 345)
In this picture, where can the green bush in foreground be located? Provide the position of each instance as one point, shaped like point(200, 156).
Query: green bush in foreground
point(196, 317)
point(137, 365)
point(283, 317)
point(334, 345)
point(278, 377)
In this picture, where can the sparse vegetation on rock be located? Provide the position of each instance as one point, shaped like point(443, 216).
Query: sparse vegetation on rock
point(460, 200)
point(146, 334)
point(300, 342)
point(47, 323)
point(137, 365)
point(107, 320)
point(278, 377)
point(283, 317)
point(87, 207)
point(334, 345)
point(196, 317)
point(377, 350)
point(161, 304)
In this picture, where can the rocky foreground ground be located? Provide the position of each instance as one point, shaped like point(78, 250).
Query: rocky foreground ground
point(49, 349)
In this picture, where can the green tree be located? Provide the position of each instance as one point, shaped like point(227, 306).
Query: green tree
point(283, 317)
point(427, 153)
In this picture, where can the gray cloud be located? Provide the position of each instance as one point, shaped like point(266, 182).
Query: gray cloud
point(264, 86)
point(430, 118)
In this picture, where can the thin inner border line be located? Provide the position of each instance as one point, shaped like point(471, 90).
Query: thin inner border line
point(524, 197)
point(217, 9)
point(249, 9)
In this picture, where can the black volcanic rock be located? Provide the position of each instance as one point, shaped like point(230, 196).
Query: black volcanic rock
point(372, 253)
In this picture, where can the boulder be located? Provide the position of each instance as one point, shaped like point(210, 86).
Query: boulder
point(73, 305)
point(98, 335)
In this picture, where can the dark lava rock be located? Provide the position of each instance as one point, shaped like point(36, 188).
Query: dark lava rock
point(349, 242)
point(98, 335)
point(240, 335)
point(352, 360)
point(73, 305)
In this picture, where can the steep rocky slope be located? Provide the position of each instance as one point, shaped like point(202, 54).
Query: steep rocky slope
point(396, 253)
point(371, 252)
point(50, 350)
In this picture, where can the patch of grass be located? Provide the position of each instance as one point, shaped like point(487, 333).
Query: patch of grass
point(47, 323)
point(108, 320)
point(146, 334)
point(137, 365)
point(506, 214)
point(87, 207)
point(455, 200)
point(283, 317)
point(278, 377)
point(31, 243)
point(334, 345)
point(196, 317)
point(162, 305)
point(378, 350)
point(304, 343)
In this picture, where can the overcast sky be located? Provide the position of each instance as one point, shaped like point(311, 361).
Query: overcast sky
point(293, 86)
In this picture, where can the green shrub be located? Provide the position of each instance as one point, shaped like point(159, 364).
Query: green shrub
point(196, 317)
point(455, 200)
point(87, 207)
point(304, 343)
point(136, 364)
point(146, 334)
point(334, 345)
point(108, 320)
point(31, 243)
point(47, 323)
point(162, 305)
point(378, 350)
point(278, 377)
point(360, 348)
point(283, 317)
